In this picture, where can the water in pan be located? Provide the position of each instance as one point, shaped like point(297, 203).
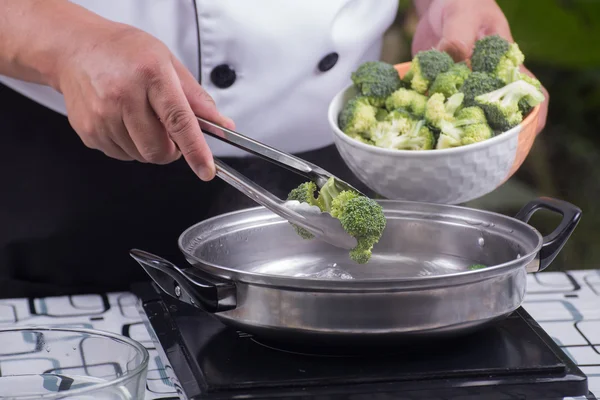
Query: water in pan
point(332, 266)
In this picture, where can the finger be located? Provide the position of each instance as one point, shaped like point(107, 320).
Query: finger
point(425, 37)
point(111, 149)
point(120, 137)
point(170, 104)
point(458, 36)
point(146, 134)
point(201, 102)
point(466, 22)
point(97, 137)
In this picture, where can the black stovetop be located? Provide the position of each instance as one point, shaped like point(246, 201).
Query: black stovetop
point(514, 359)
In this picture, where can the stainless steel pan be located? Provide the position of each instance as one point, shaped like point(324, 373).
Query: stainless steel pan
point(254, 273)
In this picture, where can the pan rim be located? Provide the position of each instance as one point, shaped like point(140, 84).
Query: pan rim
point(401, 283)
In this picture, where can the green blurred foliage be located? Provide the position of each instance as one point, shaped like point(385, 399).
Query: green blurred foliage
point(563, 33)
point(561, 43)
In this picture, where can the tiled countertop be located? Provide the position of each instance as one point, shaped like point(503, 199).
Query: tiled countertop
point(566, 304)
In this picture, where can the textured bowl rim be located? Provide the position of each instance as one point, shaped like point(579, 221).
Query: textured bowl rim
point(332, 116)
point(92, 332)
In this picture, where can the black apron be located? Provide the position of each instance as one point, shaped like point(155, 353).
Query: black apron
point(69, 214)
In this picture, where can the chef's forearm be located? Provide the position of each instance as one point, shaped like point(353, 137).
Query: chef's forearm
point(36, 36)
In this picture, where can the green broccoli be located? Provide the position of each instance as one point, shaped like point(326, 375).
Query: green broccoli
point(415, 136)
point(450, 82)
point(305, 193)
point(384, 132)
point(476, 133)
point(530, 80)
point(495, 55)
point(479, 83)
point(357, 116)
point(381, 114)
point(327, 193)
point(501, 106)
point(363, 219)
point(420, 137)
point(408, 100)
point(360, 216)
point(524, 106)
point(363, 139)
point(425, 67)
point(401, 113)
point(439, 112)
point(376, 80)
point(476, 266)
point(461, 69)
point(468, 126)
point(470, 115)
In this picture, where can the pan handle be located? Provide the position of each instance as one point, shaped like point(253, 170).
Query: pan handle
point(203, 292)
point(555, 241)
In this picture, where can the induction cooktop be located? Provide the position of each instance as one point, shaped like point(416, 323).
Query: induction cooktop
point(512, 359)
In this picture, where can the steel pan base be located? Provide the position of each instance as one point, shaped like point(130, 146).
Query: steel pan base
point(358, 345)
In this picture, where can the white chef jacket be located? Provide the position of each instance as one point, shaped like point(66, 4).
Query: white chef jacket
point(272, 66)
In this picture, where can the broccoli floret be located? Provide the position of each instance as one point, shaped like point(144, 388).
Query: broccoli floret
point(476, 266)
point(419, 137)
point(468, 126)
point(400, 113)
point(384, 133)
point(425, 67)
point(305, 193)
point(327, 193)
point(524, 106)
point(376, 80)
point(479, 83)
point(461, 69)
point(501, 106)
point(381, 114)
point(363, 219)
point(470, 115)
point(408, 100)
point(362, 138)
point(360, 216)
point(439, 112)
point(357, 116)
point(450, 82)
point(402, 130)
point(475, 133)
point(464, 136)
point(495, 55)
point(395, 123)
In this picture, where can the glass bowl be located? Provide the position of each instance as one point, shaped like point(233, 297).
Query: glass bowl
point(64, 363)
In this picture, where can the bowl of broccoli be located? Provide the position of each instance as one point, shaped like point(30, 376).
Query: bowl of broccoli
point(435, 130)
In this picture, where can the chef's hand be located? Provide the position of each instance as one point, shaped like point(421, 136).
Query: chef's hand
point(454, 26)
point(129, 97)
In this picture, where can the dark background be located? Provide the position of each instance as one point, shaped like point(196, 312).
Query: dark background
point(561, 43)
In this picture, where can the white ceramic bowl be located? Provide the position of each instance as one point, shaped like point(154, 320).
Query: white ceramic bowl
point(448, 176)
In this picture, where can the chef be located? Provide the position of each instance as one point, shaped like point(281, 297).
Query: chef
point(100, 148)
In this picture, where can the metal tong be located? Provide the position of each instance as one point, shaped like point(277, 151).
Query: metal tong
point(321, 224)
